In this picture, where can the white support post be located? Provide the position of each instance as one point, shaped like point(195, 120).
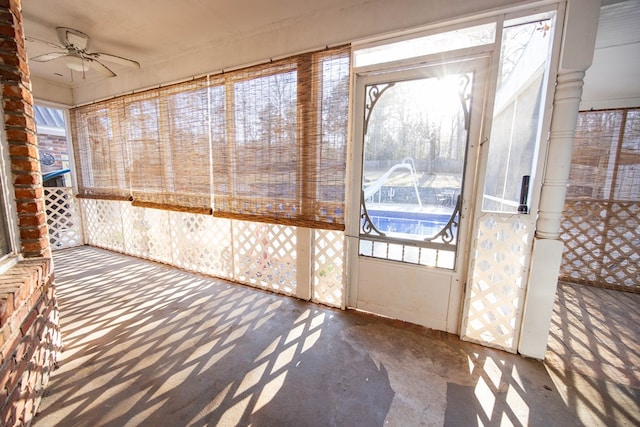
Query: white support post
point(304, 263)
point(580, 26)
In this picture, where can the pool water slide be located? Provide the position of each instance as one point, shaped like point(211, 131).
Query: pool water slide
point(407, 163)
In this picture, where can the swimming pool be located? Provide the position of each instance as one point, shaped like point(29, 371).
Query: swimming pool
point(413, 223)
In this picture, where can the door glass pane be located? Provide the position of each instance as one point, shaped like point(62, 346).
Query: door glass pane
point(415, 139)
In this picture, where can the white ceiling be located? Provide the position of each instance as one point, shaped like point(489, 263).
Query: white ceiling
point(174, 40)
point(612, 81)
point(152, 31)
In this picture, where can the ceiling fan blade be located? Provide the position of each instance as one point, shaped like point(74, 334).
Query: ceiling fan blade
point(70, 37)
point(48, 56)
point(33, 39)
point(115, 59)
point(100, 67)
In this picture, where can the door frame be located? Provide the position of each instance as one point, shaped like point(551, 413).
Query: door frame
point(479, 62)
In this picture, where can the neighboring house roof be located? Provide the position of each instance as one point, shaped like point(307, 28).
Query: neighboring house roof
point(50, 121)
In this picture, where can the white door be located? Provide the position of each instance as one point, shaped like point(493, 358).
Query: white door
point(416, 143)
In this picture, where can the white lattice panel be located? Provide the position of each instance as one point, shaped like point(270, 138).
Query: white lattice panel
point(147, 233)
point(132, 224)
point(328, 265)
point(102, 220)
point(261, 255)
point(63, 218)
point(202, 243)
point(265, 255)
point(602, 243)
point(495, 291)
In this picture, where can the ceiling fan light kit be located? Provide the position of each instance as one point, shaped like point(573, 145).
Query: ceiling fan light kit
point(75, 63)
point(74, 50)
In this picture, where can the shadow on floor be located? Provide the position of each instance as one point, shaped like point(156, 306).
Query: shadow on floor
point(593, 353)
point(146, 344)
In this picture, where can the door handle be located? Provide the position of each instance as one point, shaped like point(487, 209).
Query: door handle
point(524, 195)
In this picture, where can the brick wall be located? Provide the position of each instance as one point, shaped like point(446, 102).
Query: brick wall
point(29, 338)
point(55, 146)
point(29, 332)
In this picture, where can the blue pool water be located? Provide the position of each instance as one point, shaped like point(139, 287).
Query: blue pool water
point(415, 223)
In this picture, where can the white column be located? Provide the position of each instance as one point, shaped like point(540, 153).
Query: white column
point(304, 263)
point(578, 42)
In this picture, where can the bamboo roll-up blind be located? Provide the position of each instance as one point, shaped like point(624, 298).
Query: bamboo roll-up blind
point(606, 156)
point(265, 143)
point(187, 165)
point(601, 220)
point(597, 135)
point(220, 151)
point(285, 149)
point(260, 154)
point(146, 150)
point(332, 113)
point(168, 138)
point(100, 151)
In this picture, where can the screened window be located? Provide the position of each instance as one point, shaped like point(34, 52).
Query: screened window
point(264, 143)
point(515, 129)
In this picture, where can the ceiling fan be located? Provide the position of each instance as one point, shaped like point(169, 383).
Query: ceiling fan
point(76, 56)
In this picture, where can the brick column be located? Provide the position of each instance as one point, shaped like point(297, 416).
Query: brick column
point(17, 101)
point(30, 339)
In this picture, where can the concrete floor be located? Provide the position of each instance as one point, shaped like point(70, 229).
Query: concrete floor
point(149, 345)
point(593, 354)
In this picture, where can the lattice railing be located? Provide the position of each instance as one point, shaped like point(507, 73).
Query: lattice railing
point(63, 218)
point(202, 243)
point(602, 244)
point(103, 223)
point(265, 255)
point(257, 254)
point(495, 294)
point(328, 267)
point(147, 233)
